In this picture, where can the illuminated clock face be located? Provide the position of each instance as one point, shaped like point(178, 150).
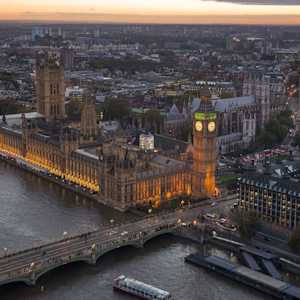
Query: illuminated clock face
point(198, 126)
point(211, 126)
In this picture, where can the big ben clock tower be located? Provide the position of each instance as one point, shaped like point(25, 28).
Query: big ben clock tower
point(204, 143)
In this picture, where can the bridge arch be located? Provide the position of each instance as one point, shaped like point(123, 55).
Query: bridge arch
point(133, 244)
point(154, 235)
point(58, 265)
point(26, 281)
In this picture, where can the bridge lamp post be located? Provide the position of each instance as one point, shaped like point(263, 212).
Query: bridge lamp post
point(5, 251)
point(93, 253)
point(65, 233)
point(31, 271)
point(31, 266)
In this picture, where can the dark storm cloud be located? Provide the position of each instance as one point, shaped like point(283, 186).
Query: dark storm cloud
point(263, 2)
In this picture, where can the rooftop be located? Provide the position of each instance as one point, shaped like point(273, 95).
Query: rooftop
point(261, 278)
point(257, 252)
point(223, 105)
point(272, 183)
point(167, 143)
point(167, 162)
point(16, 119)
point(86, 153)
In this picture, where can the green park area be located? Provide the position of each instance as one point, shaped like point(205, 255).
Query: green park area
point(227, 179)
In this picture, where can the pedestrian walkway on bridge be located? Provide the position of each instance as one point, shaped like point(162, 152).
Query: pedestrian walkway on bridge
point(28, 265)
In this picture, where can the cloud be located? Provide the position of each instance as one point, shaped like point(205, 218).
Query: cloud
point(262, 2)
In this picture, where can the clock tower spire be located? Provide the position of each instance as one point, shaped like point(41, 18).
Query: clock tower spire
point(204, 143)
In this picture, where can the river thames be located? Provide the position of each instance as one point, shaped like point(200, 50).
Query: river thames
point(34, 210)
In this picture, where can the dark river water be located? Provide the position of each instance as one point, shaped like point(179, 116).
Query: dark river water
point(33, 210)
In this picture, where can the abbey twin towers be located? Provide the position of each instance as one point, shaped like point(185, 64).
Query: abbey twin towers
point(120, 173)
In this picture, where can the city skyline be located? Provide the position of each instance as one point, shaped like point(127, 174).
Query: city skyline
point(167, 11)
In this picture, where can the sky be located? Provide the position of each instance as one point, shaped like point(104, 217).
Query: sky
point(154, 11)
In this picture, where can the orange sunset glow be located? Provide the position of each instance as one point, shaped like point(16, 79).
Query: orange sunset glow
point(154, 11)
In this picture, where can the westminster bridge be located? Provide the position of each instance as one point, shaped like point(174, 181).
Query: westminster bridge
point(30, 264)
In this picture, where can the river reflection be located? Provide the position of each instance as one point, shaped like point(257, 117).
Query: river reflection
point(33, 210)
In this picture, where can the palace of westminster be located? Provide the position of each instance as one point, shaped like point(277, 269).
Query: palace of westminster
point(121, 174)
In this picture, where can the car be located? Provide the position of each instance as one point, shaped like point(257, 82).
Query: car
point(209, 216)
point(124, 233)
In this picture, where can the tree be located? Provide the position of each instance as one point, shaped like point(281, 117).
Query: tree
point(116, 109)
point(285, 118)
point(276, 129)
point(296, 140)
point(246, 222)
point(294, 240)
point(186, 132)
point(11, 107)
point(154, 119)
point(73, 109)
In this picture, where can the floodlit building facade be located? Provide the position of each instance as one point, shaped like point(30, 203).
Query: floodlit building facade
point(274, 200)
point(120, 174)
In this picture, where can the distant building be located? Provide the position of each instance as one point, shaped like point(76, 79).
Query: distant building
point(175, 120)
point(88, 123)
point(236, 122)
point(37, 32)
point(274, 200)
point(146, 141)
point(50, 87)
point(40, 32)
point(67, 57)
point(269, 92)
point(118, 172)
point(204, 141)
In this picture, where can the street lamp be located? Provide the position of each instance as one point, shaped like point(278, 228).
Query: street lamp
point(112, 221)
point(5, 251)
point(65, 233)
point(149, 210)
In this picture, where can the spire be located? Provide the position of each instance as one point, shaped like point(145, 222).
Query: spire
point(205, 93)
point(24, 121)
point(185, 109)
point(88, 126)
point(4, 119)
point(174, 110)
point(205, 100)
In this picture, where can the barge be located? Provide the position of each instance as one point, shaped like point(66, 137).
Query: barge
point(264, 283)
point(140, 289)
